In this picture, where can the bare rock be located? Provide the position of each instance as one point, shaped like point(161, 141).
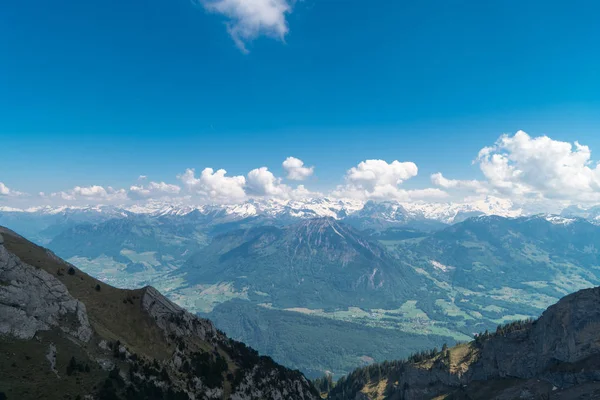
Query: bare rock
point(31, 300)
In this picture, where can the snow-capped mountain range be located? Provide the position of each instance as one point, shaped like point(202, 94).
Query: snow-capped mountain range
point(387, 211)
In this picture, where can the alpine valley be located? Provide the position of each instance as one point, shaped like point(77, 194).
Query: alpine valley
point(328, 285)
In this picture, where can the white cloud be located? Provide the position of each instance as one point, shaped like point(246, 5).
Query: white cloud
point(5, 191)
point(262, 182)
point(301, 192)
point(543, 167)
point(470, 185)
point(153, 190)
point(91, 193)
point(214, 185)
point(535, 170)
point(380, 180)
point(371, 174)
point(532, 173)
point(248, 19)
point(296, 170)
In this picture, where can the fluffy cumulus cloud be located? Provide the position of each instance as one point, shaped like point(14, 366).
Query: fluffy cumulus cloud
point(371, 174)
point(262, 183)
point(93, 193)
point(6, 191)
point(153, 190)
point(536, 174)
point(534, 169)
point(380, 180)
point(470, 185)
point(215, 185)
point(296, 170)
point(248, 19)
point(541, 166)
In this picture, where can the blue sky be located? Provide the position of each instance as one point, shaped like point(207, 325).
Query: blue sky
point(98, 93)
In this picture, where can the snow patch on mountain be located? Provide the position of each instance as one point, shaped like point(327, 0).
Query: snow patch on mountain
point(457, 212)
point(558, 220)
point(440, 266)
point(389, 211)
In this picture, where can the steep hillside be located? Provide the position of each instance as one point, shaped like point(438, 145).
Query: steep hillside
point(554, 357)
point(66, 335)
point(316, 344)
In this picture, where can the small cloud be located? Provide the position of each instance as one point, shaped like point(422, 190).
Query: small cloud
point(8, 192)
point(262, 182)
point(249, 19)
point(296, 170)
point(4, 190)
point(91, 193)
point(214, 185)
point(472, 185)
point(153, 190)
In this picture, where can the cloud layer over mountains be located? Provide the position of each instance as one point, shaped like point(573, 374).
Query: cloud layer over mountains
point(529, 171)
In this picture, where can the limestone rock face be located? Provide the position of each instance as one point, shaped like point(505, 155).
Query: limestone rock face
point(31, 300)
point(173, 319)
point(567, 332)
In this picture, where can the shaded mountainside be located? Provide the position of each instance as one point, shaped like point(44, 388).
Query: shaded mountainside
point(315, 344)
point(66, 335)
point(553, 255)
point(138, 242)
point(314, 263)
point(554, 357)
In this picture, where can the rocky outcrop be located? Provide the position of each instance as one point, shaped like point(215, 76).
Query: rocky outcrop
point(262, 380)
point(174, 320)
point(554, 356)
point(566, 333)
point(138, 345)
point(31, 300)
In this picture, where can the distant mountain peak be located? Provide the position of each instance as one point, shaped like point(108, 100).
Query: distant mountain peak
point(390, 212)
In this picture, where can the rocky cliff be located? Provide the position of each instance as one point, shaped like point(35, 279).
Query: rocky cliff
point(554, 357)
point(66, 335)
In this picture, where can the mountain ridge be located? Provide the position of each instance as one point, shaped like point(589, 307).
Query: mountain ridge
point(53, 312)
point(392, 211)
point(556, 356)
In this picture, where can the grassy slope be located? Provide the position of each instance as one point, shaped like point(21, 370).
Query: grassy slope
point(110, 316)
point(115, 314)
